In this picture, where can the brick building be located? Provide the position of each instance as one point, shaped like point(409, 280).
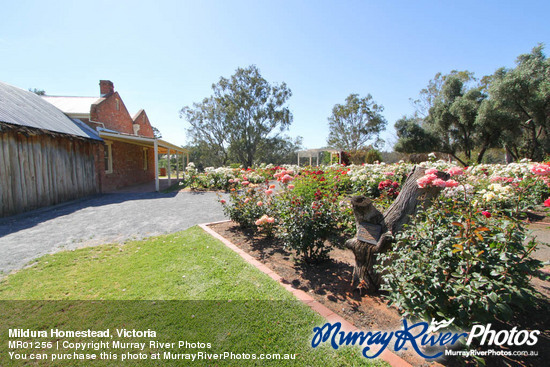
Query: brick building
point(128, 154)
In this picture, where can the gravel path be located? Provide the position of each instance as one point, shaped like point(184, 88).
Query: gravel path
point(101, 219)
point(542, 232)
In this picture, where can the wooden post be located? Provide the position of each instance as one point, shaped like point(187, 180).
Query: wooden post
point(178, 168)
point(375, 231)
point(169, 168)
point(156, 148)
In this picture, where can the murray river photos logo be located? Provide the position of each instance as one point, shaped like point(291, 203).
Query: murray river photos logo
point(419, 335)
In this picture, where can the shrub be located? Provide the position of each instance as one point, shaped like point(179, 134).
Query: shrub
point(372, 156)
point(248, 205)
point(306, 225)
point(457, 260)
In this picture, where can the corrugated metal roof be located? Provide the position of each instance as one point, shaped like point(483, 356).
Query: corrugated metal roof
point(24, 108)
point(73, 105)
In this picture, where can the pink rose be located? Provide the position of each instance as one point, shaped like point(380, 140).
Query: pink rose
point(286, 178)
point(451, 183)
point(455, 171)
point(439, 182)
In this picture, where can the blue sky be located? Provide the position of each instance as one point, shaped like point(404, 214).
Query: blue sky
point(164, 55)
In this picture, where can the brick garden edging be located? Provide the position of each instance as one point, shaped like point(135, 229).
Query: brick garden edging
point(388, 356)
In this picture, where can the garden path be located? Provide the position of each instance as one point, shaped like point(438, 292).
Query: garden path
point(542, 233)
point(108, 218)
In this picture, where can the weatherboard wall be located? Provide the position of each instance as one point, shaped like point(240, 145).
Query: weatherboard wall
point(39, 169)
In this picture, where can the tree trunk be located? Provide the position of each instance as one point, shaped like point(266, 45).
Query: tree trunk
point(375, 231)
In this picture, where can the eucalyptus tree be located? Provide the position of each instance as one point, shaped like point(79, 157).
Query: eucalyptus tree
point(244, 111)
point(356, 123)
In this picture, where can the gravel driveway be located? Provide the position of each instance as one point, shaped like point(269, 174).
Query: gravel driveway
point(101, 219)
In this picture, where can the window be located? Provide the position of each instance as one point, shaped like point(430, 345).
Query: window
point(108, 157)
point(117, 105)
point(145, 158)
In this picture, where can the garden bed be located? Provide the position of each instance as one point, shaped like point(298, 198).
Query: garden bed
point(330, 285)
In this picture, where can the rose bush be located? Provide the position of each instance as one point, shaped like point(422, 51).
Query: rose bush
point(457, 260)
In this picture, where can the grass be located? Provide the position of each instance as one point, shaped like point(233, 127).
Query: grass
point(186, 286)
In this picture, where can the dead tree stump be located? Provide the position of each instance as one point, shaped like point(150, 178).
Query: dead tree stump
point(375, 231)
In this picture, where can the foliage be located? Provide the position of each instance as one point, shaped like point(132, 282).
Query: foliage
point(523, 95)
point(311, 214)
point(209, 130)
point(355, 123)
point(40, 92)
point(365, 155)
point(428, 95)
point(156, 133)
point(509, 110)
point(222, 178)
point(279, 150)
point(413, 138)
point(248, 205)
point(239, 117)
point(464, 257)
point(459, 261)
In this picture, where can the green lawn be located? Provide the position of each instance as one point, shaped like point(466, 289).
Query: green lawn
point(186, 286)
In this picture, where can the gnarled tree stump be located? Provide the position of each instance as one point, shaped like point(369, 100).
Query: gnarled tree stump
point(375, 231)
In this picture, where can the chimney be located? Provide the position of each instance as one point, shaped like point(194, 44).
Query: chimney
point(106, 88)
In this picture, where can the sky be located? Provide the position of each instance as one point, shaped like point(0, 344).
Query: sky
point(164, 55)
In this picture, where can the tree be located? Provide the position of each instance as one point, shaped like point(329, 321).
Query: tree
point(40, 92)
point(156, 133)
point(279, 150)
point(453, 117)
point(355, 123)
point(523, 93)
point(413, 138)
point(242, 113)
point(209, 130)
point(428, 95)
point(453, 123)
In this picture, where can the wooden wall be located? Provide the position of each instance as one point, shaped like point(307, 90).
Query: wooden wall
point(41, 170)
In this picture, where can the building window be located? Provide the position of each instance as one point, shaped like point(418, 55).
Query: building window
point(117, 105)
point(108, 157)
point(145, 158)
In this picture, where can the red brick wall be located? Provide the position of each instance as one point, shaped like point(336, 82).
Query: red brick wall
point(113, 118)
point(145, 128)
point(127, 167)
point(127, 158)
